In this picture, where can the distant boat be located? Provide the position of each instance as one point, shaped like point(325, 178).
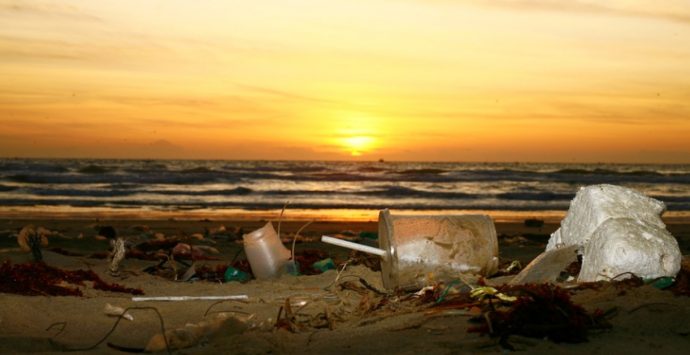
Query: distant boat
point(381, 160)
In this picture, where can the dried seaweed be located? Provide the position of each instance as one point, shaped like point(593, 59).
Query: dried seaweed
point(33, 279)
point(541, 310)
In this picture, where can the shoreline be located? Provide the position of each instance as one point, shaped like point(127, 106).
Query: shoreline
point(324, 215)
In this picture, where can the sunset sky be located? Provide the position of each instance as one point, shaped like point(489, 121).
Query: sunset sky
point(447, 80)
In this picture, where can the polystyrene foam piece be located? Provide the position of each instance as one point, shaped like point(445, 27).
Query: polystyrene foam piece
point(623, 245)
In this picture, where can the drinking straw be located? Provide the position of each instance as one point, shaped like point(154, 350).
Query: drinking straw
point(191, 298)
point(355, 246)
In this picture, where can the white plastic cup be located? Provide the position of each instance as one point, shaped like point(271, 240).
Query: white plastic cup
point(266, 254)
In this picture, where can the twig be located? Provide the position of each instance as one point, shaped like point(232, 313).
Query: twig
point(337, 277)
point(342, 270)
point(280, 218)
point(621, 274)
point(219, 302)
point(294, 240)
point(369, 286)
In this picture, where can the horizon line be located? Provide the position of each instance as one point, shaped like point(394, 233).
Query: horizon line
point(381, 160)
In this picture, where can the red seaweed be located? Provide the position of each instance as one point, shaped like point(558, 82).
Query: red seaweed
point(211, 273)
point(217, 273)
point(542, 310)
point(34, 279)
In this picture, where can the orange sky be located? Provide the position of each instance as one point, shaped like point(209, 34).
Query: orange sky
point(458, 80)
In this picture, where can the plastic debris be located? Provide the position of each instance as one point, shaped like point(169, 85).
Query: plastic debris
point(266, 253)
point(622, 246)
point(663, 282)
point(232, 274)
point(617, 231)
point(417, 251)
point(324, 265)
point(547, 266)
point(191, 298)
point(594, 205)
point(115, 311)
point(428, 249)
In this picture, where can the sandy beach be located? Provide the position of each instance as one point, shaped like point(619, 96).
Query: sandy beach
point(325, 317)
point(141, 141)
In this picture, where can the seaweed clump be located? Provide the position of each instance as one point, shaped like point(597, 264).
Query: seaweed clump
point(39, 279)
point(540, 311)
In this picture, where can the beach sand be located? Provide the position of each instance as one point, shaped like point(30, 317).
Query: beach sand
point(326, 319)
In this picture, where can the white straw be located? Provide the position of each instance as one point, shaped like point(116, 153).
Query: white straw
point(191, 298)
point(355, 246)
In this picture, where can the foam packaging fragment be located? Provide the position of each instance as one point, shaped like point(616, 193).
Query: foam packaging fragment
point(595, 204)
point(617, 231)
point(625, 245)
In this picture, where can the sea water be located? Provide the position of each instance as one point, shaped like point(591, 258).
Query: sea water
point(254, 186)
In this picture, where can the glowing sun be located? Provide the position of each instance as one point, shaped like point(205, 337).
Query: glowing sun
point(357, 145)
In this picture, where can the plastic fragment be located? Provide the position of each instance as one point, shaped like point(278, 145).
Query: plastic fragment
point(663, 282)
point(324, 265)
point(232, 274)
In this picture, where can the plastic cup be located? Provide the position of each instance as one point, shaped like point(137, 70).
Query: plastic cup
point(422, 250)
point(266, 254)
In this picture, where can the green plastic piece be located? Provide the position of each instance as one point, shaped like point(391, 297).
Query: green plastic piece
point(324, 265)
point(663, 282)
point(232, 274)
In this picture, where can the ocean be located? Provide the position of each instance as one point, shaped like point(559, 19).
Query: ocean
point(254, 186)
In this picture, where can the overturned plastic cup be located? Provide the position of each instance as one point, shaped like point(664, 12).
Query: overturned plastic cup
point(417, 251)
point(266, 254)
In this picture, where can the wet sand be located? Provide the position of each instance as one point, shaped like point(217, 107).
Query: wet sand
point(328, 319)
